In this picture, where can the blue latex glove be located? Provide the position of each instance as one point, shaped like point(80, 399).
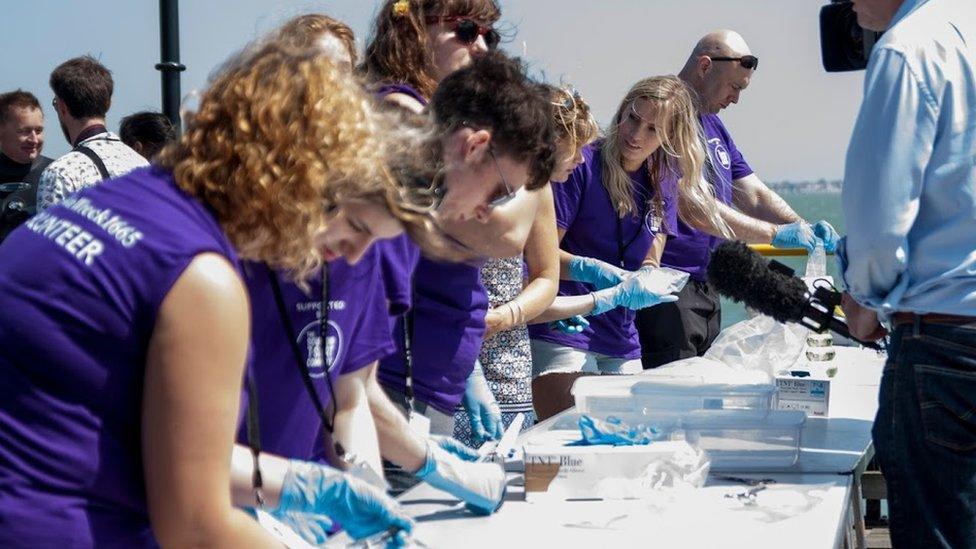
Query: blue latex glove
point(482, 408)
point(598, 273)
point(314, 529)
point(480, 485)
point(826, 232)
point(615, 432)
point(572, 325)
point(798, 234)
point(456, 447)
point(314, 490)
point(632, 293)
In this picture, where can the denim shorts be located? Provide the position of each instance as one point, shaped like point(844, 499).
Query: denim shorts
point(549, 358)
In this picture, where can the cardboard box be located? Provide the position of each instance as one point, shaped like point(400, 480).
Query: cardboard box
point(554, 470)
point(808, 394)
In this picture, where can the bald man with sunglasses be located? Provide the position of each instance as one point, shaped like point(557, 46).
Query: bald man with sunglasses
point(719, 68)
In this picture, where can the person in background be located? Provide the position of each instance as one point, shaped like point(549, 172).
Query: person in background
point(147, 132)
point(515, 301)
point(82, 96)
point(120, 397)
point(415, 45)
point(909, 201)
point(614, 214)
point(21, 161)
point(719, 69)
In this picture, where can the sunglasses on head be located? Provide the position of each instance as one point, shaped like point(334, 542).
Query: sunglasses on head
point(747, 61)
point(468, 31)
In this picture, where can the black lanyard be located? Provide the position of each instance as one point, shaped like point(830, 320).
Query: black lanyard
point(253, 425)
point(292, 337)
point(408, 324)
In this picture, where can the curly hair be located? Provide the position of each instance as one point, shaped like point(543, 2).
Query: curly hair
point(495, 93)
point(281, 133)
point(682, 152)
point(574, 124)
point(304, 31)
point(398, 50)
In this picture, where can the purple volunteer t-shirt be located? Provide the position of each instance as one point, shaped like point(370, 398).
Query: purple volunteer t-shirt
point(449, 306)
point(358, 335)
point(690, 249)
point(584, 211)
point(80, 288)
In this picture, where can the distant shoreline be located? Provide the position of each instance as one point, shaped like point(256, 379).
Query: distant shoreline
point(818, 186)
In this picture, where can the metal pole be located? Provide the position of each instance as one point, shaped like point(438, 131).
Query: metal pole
point(169, 65)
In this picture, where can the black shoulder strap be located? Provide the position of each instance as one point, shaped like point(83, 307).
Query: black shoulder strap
point(95, 159)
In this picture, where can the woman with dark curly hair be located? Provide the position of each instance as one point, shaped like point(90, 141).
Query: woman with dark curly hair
point(129, 316)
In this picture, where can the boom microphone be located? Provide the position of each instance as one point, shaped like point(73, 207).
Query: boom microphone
point(742, 275)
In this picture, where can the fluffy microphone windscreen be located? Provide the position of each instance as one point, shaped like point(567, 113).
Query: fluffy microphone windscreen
point(741, 274)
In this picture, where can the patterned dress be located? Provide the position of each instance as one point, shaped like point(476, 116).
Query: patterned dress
point(505, 357)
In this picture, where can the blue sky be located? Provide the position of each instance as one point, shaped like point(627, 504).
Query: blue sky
point(793, 122)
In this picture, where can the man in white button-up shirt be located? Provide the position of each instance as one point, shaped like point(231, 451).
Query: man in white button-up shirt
point(910, 259)
point(82, 96)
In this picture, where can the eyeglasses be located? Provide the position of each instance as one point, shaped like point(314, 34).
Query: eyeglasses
point(747, 61)
point(509, 193)
point(468, 31)
point(438, 188)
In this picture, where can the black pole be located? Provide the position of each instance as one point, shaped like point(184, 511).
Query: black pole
point(169, 65)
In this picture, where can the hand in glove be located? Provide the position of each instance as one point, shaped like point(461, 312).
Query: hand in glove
point(311, 492)
point(634, 293)
point(598, 273)
point(480, 485)
point(482, 408)
point(826, 232)
point(798, 234)
point(456, 447)
point(573, 325)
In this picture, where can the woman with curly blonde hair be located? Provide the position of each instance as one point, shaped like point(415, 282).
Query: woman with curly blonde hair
point(120, 405)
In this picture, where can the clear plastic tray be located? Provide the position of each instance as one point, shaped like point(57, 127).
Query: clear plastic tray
point(735, 440)
point(678, 395)
point(746, 444)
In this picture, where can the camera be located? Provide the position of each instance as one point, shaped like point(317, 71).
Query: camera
point(844, 45)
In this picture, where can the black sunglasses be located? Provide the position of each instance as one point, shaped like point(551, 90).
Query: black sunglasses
point(467, 30)
point(747, 61)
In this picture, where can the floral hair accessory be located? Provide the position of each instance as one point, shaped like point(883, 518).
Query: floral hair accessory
point(401, 8)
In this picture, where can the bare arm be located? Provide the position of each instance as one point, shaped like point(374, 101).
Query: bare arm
point(398, 442)
point(748, 229)
point(542, 258)
point(653, 258)
point(192, 385)
point(354, 426)
point(753, 198)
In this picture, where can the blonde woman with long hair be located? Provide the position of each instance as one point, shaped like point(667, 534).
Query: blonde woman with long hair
point(614, 214)
point(134, 375)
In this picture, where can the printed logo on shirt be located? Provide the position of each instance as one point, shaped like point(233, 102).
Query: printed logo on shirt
point(719, 154)
point(311, 340)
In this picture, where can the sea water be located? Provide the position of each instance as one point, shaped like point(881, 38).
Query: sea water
point(812, 206)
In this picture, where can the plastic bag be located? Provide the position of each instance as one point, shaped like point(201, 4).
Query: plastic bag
point(663, 280)
point(759, 343)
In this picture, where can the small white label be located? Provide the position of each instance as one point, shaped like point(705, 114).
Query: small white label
point(419, 423)
point(280, 532)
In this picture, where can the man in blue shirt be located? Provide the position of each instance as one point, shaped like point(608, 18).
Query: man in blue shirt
point(909, 262)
